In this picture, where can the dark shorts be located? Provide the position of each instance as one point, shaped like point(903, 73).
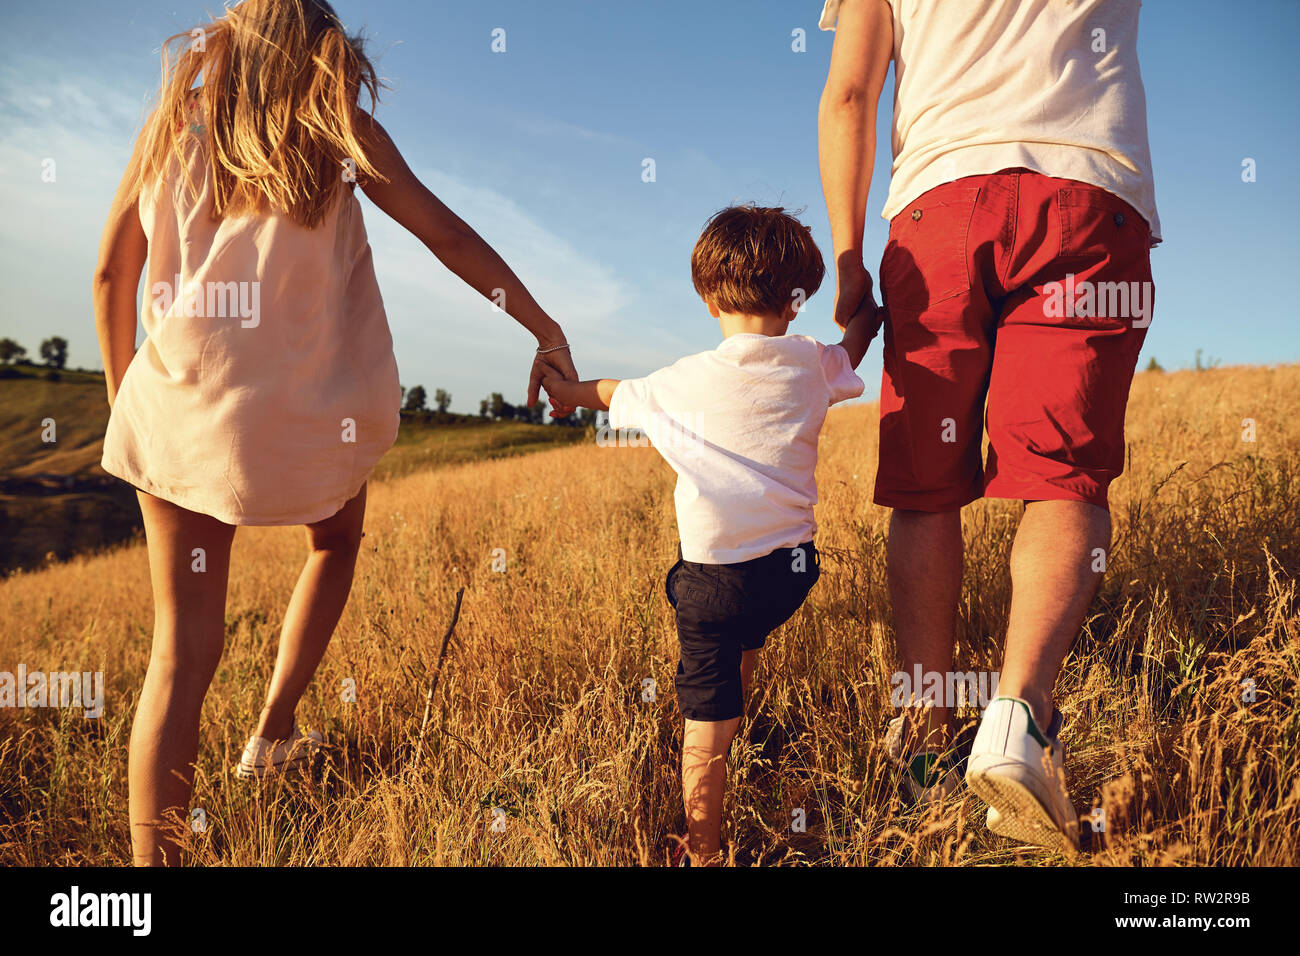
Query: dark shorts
point(1015, 302)
point(724, 609)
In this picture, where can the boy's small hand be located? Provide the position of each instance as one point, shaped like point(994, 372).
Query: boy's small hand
point(870, 314)
point(862, 327)
point(559, 388)
point(559, 364)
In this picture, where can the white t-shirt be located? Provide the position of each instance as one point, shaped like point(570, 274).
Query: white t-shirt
point(739, 425)
point(1051, 85)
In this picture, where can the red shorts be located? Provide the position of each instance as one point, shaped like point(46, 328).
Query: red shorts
point(1030, 293)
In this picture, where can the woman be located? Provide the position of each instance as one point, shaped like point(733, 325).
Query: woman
point(266, 388)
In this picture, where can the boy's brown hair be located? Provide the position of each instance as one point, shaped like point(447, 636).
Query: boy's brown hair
point(756, 260)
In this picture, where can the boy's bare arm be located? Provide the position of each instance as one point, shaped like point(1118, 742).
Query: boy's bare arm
point(859, 334)
point(595, 393)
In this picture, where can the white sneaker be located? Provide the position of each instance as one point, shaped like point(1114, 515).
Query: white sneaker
point(1020, 773)
point(929, 775)
point(263, 756)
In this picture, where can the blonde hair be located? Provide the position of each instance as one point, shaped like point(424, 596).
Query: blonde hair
point(281, 85)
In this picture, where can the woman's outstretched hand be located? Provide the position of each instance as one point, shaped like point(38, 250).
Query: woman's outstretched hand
point(551, 363)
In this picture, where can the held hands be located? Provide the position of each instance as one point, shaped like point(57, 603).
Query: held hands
point(557, 366)
point(562, 390)
point(854, 294)
point(868, 314)
point(863, 321)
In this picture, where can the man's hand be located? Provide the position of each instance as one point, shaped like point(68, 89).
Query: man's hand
point(853, 288)
point(862, 328)
point(559, 366)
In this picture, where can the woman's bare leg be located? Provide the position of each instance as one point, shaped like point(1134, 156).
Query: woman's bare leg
point(189, 565)
point(314, 610)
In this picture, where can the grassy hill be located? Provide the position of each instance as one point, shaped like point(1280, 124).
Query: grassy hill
point(76, 402)
point(55, 500)
point(540, 712)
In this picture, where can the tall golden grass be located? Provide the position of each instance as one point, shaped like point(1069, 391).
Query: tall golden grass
point(539, 708)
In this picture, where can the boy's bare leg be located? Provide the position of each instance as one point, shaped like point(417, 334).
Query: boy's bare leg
point(704, 771)
point(705, 744)
point(925, 567)
point(1052, 584)
point(748, 661)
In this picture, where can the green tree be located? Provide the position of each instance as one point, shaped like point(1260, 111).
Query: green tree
point(11, 351)
point(54, 351)
point(497, 405)
point(1154, 366)
point(442, 399)
point(415, 399)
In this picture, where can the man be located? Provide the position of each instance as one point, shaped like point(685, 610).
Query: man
point(1017, 274)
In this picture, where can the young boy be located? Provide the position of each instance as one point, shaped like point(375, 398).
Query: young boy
point(739, 425)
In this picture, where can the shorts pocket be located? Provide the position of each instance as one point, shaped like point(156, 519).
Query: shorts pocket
point(693, 586)
point(1096, 224)
point(925, 260)
point(1105, 261)
point(669, 580)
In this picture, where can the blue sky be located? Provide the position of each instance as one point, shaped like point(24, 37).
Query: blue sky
point(540, 148)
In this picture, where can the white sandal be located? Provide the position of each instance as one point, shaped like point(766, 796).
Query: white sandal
point(263, 756)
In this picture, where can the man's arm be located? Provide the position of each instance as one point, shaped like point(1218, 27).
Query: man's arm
point(846, 134)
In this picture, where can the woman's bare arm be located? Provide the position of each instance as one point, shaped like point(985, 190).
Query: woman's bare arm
point(461, 250)
point(123, 250)
point(846, 125)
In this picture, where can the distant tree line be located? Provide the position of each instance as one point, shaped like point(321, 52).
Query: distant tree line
point(494, 408)
point(54, 352)
point(415, 400)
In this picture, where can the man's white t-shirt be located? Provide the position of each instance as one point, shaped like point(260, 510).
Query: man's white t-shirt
point(1050, 85)
point(739, 425)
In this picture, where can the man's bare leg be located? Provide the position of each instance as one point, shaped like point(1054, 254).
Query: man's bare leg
point(925, 567)
point(1052, 584)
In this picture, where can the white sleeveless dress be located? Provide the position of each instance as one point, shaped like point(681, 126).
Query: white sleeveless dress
point(266, 389)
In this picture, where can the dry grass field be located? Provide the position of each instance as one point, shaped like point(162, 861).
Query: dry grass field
point(539, 710)
point(41, 519)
